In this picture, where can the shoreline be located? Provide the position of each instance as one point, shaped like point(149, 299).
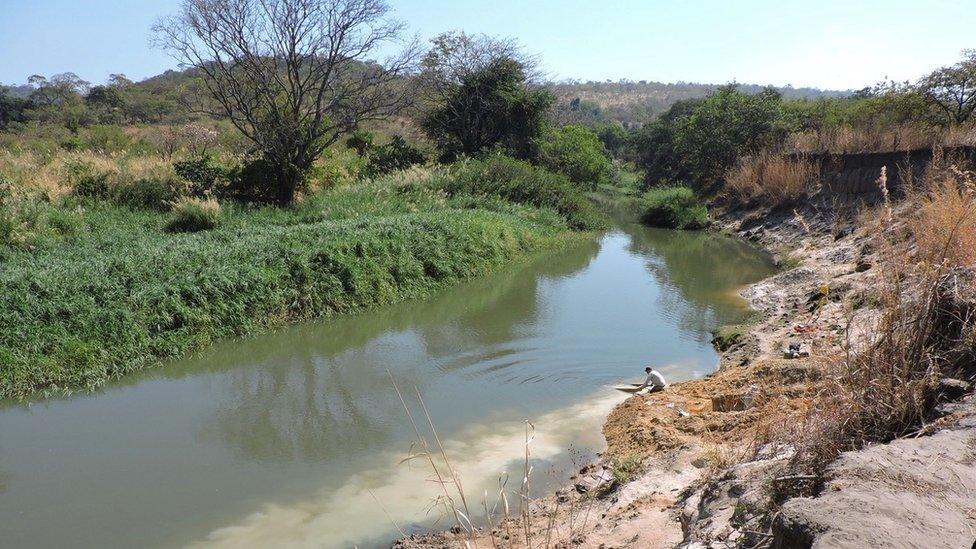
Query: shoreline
point(639, 512)
point(702, 471)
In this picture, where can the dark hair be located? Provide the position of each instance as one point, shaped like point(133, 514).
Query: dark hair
point(648, 369)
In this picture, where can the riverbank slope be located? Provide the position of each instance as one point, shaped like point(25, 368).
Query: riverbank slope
point(714, 462)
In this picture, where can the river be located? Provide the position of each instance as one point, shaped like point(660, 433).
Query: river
point(296, 438)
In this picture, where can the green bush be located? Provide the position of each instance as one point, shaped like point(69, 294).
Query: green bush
point(673, 208)
point(149, 192)
point(520, 182)
point(87, 181)
point(575, 152)
point(360, 141)
point(393, 156)
point(697, 141)
point(206, 177)
point(192, 215)
point(255, 183)
point(494, 107)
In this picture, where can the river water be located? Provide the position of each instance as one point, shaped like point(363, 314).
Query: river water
point(296, 438)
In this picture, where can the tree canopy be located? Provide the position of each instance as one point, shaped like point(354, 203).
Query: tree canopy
point(293, 76)
point(480, 96)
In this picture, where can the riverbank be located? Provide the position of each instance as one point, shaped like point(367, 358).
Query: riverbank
point(712, 462)
point(97, 290)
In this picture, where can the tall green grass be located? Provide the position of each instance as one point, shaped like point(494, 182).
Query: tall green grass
point(521, 182)
point(119, 294)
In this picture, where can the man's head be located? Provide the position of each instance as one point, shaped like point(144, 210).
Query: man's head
point(648, 369)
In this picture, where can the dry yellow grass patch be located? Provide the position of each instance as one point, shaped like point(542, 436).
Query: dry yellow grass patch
point(773, 179)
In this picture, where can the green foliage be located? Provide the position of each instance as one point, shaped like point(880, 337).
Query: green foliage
point(12, 109)
point(29, 223)
point(622, 471)
point(615, 138)
point(575, 152)
point(149, 192)
point(191, 215)
point(206, 177)
point(253, 183)
point(393, 156)
point(88, 181)
point(360, 141)
point(673, 208)
point(698, 141)
point(125, 295)
point(493, 107)
point(949, 89)
point(520, 182)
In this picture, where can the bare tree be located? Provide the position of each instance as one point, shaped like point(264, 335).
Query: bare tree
point(292, 75)
point(953, 89)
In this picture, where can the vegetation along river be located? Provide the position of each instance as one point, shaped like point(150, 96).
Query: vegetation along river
point(296, 437)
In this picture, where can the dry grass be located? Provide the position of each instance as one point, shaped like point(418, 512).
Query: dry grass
point(52, 175)
point(944, 225)
point(889, 388)
point(898, 137)
point(772, 179)
point(847, 139)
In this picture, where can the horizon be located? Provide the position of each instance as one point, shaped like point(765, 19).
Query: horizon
point(841, 48)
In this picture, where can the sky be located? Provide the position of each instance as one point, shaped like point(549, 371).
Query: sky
point(830, 44)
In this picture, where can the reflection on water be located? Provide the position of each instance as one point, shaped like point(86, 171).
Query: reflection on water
point(281, 437)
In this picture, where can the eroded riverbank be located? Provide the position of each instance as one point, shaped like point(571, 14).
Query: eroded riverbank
point(709, 472)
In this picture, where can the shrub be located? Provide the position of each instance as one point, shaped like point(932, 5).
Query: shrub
point(521, 182)
point(773, 180)
point(107, 138)
point(192, 215)
point(575, 152)
point(205, 177)
point(393, 156)
point(149, 192)
point(673, 208)
point(615, 138)
point(254, 182)
point(700, 140)
point(360, 141)
point(493, 107)
point(88, 181)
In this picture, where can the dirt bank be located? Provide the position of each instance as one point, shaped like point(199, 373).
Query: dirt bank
point(691, 466)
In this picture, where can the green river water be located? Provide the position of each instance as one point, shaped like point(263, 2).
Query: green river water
point(295, 438)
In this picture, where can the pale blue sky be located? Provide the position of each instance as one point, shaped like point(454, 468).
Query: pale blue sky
point(826, 43)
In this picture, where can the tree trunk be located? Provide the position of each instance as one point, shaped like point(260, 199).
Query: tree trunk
point(289, 178)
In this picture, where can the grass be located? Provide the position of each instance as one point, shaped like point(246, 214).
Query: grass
point(772, 180)
point(191, 215)
point(622, 471)
point(517, 181)
point(889, 387)
point(94, 290)
point(726, 337)
point(673, 208)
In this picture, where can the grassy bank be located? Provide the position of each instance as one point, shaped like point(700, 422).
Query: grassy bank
point(97, 290)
